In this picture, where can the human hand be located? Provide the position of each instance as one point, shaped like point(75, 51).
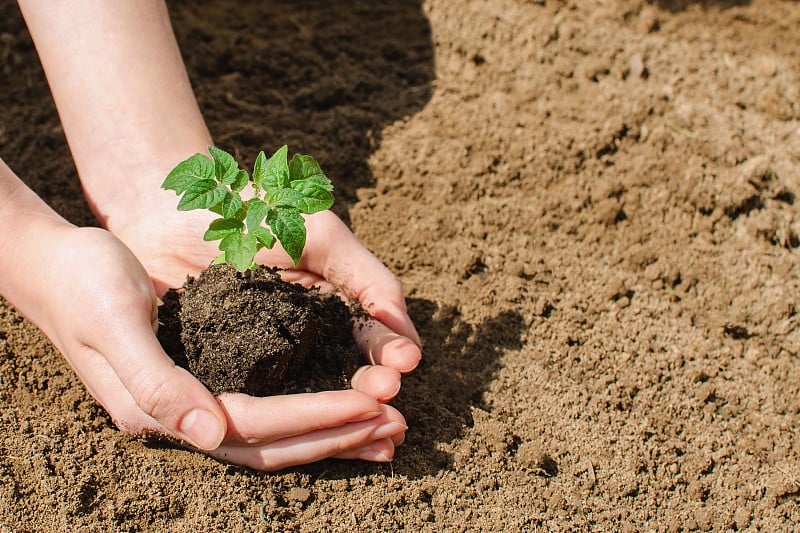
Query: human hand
point(333, 260)
point(95, 302)
point(101, 317)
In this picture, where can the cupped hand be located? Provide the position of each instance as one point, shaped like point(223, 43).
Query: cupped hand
point(101, 316)
point(275, 432)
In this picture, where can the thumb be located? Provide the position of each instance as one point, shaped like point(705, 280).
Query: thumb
point(160, 389)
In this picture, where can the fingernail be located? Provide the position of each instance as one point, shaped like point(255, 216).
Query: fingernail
point(387, 430)
point(373, 455)
point(369, 415)
point(415, 335)
point(201, 429)
point(386, 397)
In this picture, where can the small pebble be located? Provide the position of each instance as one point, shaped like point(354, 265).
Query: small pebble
point(635, 67)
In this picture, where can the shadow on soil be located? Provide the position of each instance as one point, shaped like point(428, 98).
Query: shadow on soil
point(323, 77)
point(459, 362)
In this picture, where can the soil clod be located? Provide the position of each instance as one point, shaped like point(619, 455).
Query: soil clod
point(258, 334)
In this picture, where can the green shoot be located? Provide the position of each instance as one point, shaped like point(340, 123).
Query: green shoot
point(282, 191)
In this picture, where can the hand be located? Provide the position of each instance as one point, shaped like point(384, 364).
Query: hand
point(304, 428)
point(96, 303)
point(100, 313)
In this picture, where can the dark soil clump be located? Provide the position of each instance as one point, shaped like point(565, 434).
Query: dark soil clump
point(259, 335)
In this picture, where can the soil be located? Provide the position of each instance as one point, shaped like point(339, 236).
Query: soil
point(259, 334)
point(592, 206)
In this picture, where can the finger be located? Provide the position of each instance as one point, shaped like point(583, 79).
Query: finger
point(385, 302)
point(381, 345)
point(335, 253)
point(103, 383)
point(344, 408)
point(258, 420)
point(379, 382)
point(315, 446)
point(380, 451)
point(385, 347)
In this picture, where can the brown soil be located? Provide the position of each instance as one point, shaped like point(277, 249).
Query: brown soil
point(259, 334)
point(592, 206)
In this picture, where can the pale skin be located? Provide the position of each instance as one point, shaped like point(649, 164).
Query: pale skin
point(129, 115)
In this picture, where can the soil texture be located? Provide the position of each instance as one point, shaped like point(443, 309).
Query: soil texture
point(258, 334)
point(593, 208)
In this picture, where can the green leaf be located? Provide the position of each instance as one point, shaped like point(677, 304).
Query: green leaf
point(221, 228)
point(304, 167)
point(312, 184)
point(256, 212)
point(314, 187)
point(240, 214)
point(196, 168)
point(264, 236)
point(225, 166)
point(276, 170)
point(240, 250)
point(316, 194)
point(231, 204)
point(289, 227)
point(202, 194)
point(240, 181)
point(220, 259)
point(310, 205)
point(283, 197)
point(260, 170)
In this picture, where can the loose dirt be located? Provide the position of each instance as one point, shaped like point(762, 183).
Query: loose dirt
point(592, 206)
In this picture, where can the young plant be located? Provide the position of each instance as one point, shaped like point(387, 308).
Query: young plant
point(282, 191)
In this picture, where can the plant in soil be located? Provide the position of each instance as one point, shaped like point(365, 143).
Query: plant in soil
point(239, 327)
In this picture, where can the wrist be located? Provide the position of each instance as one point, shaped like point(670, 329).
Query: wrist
point(122, 181)
point(31, 228)
point(22, 212)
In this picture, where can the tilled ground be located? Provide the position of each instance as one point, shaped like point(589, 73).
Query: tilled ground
point(592, 206)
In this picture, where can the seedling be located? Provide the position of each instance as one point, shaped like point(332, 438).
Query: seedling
point(282, 190)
